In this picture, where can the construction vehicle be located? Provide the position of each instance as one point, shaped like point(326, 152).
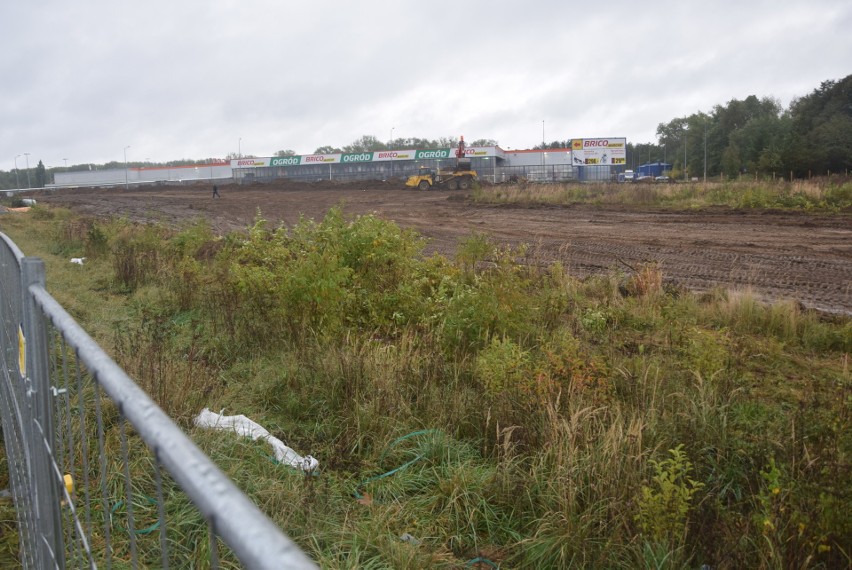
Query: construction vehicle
point(459, 178)
point(428, 178)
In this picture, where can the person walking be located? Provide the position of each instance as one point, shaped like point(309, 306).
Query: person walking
point(216, 192)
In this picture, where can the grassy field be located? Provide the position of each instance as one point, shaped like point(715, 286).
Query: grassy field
point(540, 421)
point(823, 194)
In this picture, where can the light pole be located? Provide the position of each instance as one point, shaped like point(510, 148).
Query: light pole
point(126, 186)
point(240, 148)
point(17, 182)
point(705, 152)
point(390, 145)
point(66, 162)
point(27, 155)
point(685, 179)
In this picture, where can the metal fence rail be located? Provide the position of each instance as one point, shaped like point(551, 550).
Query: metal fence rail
point(100, 476)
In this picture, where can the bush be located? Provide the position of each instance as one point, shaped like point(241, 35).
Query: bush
point(665, 505)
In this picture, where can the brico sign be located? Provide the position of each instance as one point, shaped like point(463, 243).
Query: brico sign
point(249, 162)
point(392, 155)
point(321, 158)
point(599, 152)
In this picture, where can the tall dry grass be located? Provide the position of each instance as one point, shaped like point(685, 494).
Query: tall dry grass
point(826, 194)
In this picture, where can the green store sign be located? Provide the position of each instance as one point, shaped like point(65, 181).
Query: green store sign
point(433, 154)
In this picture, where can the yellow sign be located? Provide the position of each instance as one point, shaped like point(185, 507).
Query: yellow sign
point(22, 352)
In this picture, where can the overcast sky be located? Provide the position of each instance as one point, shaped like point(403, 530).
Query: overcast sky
point(189, 79)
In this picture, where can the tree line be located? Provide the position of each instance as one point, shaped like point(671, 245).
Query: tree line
point(813, 136)
point(41, 175)
point(369, 143)
point(756, 136)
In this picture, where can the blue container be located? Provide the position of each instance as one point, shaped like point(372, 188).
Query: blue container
point(652, 169)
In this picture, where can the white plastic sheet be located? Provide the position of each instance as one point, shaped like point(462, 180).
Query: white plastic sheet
point(249, 428)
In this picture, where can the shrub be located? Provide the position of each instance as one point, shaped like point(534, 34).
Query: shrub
point(137, 255)
point(664, 506)
point(502, 367)
point(96, 241)
point(472, 250)
point(647, 282)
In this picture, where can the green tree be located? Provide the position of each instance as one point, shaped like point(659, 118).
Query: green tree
point(820, 139)
point(327, 149)
point(289, 152)
point(731, 161)
point(414, 142)
point(367, 143)
point(757, 135)
point(769, 162)
point(40, 175)
point(553, 144)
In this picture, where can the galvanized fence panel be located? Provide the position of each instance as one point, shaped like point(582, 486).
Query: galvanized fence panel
point(15, 402)
point(536, 173)
point(100, 476)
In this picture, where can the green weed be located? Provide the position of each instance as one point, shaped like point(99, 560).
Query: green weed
point(665, 505)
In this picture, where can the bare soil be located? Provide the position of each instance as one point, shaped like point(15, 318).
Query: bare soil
point(780, 255)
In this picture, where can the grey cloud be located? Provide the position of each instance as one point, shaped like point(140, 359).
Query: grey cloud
point(189, 79)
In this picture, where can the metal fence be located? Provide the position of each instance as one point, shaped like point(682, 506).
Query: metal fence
point(100, 476)
point(537, 173)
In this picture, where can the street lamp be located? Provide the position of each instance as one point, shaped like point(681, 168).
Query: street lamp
point(648, 173)
point(685, 179)
point(125, 167)
point(27, 155)
point(66, 162)
point(390, 145)
point(17, 182)
point(705, 151)
point(240, 148)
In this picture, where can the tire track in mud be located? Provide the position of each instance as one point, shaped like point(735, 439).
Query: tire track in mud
point(816, 283)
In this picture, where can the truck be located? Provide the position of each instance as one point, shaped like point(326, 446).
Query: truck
point(428, 178)
point(459, 178)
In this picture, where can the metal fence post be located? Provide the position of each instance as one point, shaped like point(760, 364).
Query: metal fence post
point(50, 547)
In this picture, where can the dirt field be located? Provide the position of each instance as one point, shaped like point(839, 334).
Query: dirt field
point(780, 255)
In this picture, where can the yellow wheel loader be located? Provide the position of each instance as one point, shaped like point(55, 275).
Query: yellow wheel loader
point(427, 178)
